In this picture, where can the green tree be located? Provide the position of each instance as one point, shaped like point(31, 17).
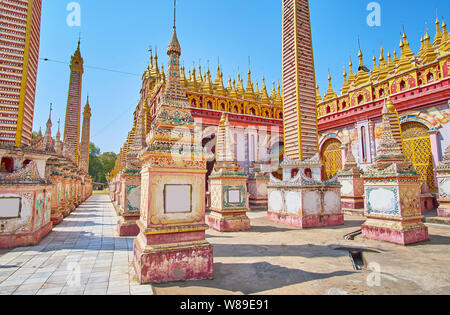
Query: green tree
point(100, 164)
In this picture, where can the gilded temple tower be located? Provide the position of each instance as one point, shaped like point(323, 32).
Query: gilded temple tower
point(85, 138)
point(300, 125)
point(73, 111)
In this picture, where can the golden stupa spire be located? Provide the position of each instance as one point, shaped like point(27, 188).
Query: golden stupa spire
point(383, 68)
point(183, 80)
point(229, 86)
point(193, 85)
point(429, 54)
point(207, 83)
point(218, 83)
point(318, 96)
point(438, 38)
point(375, 71)
point(422, 46)
point(264, 95)
point(330, 92)
point(249, 91)
point(240, 86)
point(345, 86)
point(279, 98)
point(257, 93)
point(199, 76)
point(445, 43)
point(233, 93)
point(155, 69)
point(273, 94)
point(351, 76)
point(362, 76)
point(390, 64)
point(406, 49)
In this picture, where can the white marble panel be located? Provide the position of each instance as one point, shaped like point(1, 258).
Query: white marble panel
point(332, 202)
point(275, 201)
point(178, 199)
point(312, 204)
point(9, 207)
point(293, 202)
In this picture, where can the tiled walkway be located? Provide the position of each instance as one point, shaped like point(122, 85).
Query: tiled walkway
point(82, 255)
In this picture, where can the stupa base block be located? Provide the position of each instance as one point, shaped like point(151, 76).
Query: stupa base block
point(443, 212)
point(350, 204)
point(405, 237)
point(258, 205)
point(25, 239)
point(228, 222)
point(128, 226)
point(354, 212)
point(179, 263)
point(57, 219)
point(305, 222)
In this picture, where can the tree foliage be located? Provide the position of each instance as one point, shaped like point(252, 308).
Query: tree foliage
point(100, 164)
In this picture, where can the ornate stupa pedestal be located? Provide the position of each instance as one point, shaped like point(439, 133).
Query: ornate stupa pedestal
point(301, 199)
point(25, 203)
point(171, 245)
point(426, 199)
point(257, 188)
point(352, 191)
point(443, 179)
point(56, 179)
point(228, 184)
point(392, 195)
point(131, 183)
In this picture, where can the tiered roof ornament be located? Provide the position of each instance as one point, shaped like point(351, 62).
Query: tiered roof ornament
point(390, 159)
point(351, 166)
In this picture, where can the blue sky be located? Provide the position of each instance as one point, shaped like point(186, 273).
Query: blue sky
point(117, 34)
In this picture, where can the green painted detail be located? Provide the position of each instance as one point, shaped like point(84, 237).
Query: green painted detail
point(226, 189)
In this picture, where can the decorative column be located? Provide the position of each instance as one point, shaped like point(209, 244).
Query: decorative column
point(229, 197)
point(171, 245)
point(443, 179)
point(352, 191)
point(392, 194)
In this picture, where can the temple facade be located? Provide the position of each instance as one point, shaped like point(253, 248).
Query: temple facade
point(418, 84)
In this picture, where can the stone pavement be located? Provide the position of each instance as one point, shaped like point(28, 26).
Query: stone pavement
point(271, 259)
point(82, 255)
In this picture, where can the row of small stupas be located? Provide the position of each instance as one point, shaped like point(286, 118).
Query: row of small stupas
point(45, 181)
point(389, 76)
